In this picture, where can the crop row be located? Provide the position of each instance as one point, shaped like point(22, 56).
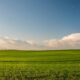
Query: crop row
point(51, 75)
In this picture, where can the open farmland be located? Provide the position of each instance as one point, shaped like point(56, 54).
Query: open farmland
point(40, 65)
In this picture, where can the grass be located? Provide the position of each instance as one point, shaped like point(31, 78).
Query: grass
point(40, 65)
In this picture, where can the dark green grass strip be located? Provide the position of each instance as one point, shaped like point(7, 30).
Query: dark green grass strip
point(61, 61)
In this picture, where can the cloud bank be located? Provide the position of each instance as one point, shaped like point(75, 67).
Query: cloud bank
point(71, 41)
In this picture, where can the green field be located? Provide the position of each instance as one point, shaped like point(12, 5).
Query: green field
point(40, 65)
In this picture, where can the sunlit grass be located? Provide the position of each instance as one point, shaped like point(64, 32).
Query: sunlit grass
point(40, 65)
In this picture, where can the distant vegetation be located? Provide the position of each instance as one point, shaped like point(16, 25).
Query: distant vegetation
point(40, 65)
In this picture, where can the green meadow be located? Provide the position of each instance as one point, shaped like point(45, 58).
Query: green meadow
point(40, 65)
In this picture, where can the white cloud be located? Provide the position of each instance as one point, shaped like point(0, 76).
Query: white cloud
point(73, 37)
point(7, 43)
point(71, 41)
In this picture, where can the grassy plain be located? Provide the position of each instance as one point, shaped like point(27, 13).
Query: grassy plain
point(40, 65)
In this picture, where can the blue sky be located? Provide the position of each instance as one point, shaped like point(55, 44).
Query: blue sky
point(39, 19)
